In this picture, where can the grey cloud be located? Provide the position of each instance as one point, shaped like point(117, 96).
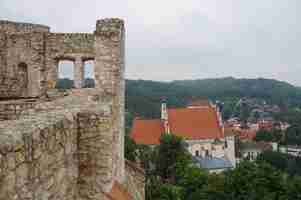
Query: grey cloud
point(176, 39)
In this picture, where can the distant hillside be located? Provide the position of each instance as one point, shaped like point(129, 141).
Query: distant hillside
point(143, 97)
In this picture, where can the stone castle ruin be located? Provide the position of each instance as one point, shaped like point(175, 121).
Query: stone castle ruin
point(68, 146)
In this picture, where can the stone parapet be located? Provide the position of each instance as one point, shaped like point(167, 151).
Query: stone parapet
point(10, 27)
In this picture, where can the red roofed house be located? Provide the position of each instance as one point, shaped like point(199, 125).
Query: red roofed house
point(266, 125)
point(200, 124)
point(247, 134)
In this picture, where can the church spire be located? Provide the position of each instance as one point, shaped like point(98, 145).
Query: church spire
point(164, 116)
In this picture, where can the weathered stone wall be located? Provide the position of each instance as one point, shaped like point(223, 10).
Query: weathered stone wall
point(62, 44)
point(59, 150)
point(109, 70)
point(38, 158)
point(14, 27)
point(135, 181)
point(3, 44)
point(72, 147)
point(21, 59)
point(11, 110)
point(63, 149)
point(24, 65)
point(41, 51)
point(95, 155)
point(76, 47)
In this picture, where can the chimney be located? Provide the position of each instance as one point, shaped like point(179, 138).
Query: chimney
point(164, 116)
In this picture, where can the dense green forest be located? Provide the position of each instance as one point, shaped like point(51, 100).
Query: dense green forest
point(143, 98)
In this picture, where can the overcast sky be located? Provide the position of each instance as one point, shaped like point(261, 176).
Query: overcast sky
point(186, 39)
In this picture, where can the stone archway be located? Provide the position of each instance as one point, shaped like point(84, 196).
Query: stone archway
point(65, 73)
point(89, 79)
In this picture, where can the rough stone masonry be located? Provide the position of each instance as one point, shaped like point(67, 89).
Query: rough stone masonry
point(29, 56)
point(68, 147)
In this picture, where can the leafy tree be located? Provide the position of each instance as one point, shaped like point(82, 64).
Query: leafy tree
point(130, 148)
point(162, 165)
point(170, 192)
point(215, 188)
point(253, 181)
point(293, 135)
point(170, 152)
point(284, 162)
point(276, 159)
point(294, 188)
point(147, 157)
point(293, 165)
point(263, 135)
point(152, 187)
point(278, 136)
point(193, 179)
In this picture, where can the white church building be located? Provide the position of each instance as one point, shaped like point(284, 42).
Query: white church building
point(200, 125)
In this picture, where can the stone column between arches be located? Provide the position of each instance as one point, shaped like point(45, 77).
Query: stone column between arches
point(79, 72)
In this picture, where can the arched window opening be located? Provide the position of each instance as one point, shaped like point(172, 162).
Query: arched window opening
point(89, 74)
point(65, 74)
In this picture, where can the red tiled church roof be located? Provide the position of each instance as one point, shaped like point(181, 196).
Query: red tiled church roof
point(189, 123)
point(147, 131)
point(194, 123)
point(199, 103)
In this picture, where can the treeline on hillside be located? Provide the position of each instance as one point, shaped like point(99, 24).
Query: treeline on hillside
point(143, 98)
